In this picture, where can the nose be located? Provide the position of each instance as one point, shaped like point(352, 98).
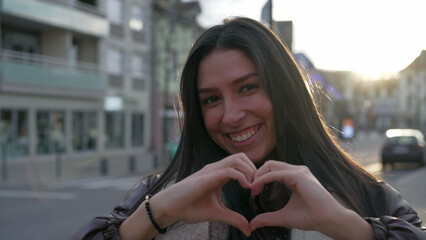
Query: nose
point(233, 112)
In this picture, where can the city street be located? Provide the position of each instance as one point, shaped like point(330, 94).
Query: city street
point(57, 210)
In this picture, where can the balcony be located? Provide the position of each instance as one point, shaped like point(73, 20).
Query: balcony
point(77, 17)
point(42, 75)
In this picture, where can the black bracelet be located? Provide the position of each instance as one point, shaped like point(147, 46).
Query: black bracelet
point(151, 218)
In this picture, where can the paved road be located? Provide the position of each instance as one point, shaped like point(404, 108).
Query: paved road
point(56, 211)
point(52, 211)
point(408, 179)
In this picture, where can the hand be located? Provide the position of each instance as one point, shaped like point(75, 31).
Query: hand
point(197, 198)
point(308, 205)
point(311, 206)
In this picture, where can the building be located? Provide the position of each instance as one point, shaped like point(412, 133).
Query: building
point(175, 29)
point(75, 80)
point(412, 94)
point(375, 104)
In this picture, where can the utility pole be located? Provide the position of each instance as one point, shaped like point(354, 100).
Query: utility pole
point(266, 14)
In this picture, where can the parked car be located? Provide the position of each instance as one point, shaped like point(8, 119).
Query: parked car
point(404, 145)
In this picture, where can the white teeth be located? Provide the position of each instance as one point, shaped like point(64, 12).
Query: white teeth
point(244, 136)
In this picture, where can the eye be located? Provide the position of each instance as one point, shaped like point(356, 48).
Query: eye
point(209, 100)
point(249, 87)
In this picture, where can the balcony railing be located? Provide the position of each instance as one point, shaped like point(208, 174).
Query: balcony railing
point(62, 16)
point(48, 61)
point(38, 70)
point(97, 10)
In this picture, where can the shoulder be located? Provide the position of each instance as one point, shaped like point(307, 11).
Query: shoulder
point(138, 191)
point(397, 206)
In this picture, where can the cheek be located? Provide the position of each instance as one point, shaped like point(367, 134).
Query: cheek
point(263, 106)
point(211, 121)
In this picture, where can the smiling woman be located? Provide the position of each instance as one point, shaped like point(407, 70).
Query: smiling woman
point(238, 113)
point(255, 159)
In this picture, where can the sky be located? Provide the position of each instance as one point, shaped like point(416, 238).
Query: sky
point(375, 38)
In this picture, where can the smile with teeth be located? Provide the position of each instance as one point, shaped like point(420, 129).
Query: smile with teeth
point(244, 135)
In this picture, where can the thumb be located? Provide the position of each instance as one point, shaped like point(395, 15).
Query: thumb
point(236, 220)
point(268, 219)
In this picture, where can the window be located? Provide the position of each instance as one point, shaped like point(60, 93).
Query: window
point(21, 41)
point(137, 67)
point(136, 21)
point(13, 133)
point(114, 11)
point(137, 129)
point(50, 131)
point(114, 129)
point(114, 62)
point(84, 131)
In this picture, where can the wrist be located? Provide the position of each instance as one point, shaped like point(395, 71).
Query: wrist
point(158, 212)
point(349, 225)
point(151, 216)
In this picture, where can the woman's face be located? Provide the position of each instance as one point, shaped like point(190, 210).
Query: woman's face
point(237, 112)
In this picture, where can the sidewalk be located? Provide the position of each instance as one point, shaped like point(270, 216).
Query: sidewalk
point(45, 171)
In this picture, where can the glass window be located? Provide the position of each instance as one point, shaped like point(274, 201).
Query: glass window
point(114, 62)
point(14, 133)
point(114, 129)
point(137, 67)
point(137, 129)
point(22, 141)
point(50, 131)
point(84, 131)
point(136, 21)
point(114, 11)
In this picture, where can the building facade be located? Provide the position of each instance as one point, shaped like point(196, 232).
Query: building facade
point(75, 80)
point(175, 28)
point(412, 94)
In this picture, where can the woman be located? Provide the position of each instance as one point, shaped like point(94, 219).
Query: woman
point(255, 160)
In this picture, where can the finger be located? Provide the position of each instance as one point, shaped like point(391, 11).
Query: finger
point(234, 219)
point(273, 165)
point(286, 177)
point(237, 161)
point(249, 167)
point(222, 176)
point(246, 160)
point(269, 219)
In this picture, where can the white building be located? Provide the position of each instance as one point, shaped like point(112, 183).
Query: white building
point(412, 94)
point(75, 76)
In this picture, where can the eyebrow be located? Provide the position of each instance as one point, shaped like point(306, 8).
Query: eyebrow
point(235, 81)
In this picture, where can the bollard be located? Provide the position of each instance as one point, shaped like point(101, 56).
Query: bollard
point(104, 167)
point(58, 160)
point(155, 160)
point(132, 164)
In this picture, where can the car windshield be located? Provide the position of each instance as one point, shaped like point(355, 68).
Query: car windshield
point(405, 140)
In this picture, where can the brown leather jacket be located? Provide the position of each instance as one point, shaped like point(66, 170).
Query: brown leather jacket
point(401, 222)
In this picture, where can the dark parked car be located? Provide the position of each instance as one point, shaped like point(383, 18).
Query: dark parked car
point(404, 145)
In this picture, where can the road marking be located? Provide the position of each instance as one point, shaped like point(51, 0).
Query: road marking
point(36, 194)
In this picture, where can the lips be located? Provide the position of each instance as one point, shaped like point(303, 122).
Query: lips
point(245, 134)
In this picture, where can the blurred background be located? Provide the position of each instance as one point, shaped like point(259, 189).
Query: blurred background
point(88, 93)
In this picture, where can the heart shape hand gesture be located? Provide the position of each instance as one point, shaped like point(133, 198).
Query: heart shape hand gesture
point(197, 198)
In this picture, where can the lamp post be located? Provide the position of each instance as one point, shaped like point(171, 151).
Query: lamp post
point(4, 145)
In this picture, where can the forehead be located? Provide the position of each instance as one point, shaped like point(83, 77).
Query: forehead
point(222, 65)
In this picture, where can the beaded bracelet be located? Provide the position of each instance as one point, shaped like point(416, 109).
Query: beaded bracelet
point(151, 218)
